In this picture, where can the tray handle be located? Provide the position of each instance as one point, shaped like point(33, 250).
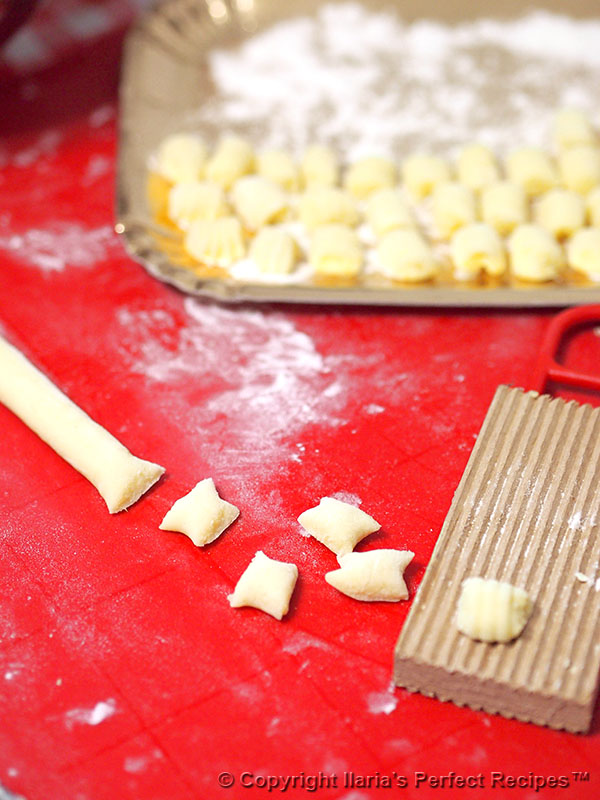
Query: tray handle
point(547, 367)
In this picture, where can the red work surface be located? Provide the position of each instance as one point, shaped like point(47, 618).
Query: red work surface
point(124, 673)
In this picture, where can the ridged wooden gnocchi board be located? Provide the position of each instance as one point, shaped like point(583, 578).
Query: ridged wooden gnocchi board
point(527, 511)
point(167, 78)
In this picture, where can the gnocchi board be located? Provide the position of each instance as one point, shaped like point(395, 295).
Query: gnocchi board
point(247, 67)
point(123, 671)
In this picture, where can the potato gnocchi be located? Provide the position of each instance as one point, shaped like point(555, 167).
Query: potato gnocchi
point(533, 169)
point(338, 525)
point(201, 514)
point(279, 167)
point(571, 128)
point(181, 157)
point(233, 158)
point(372, 576)
point(504, 206)
point(534, 254)
point(386, 210)
point(266, 584)
point(477, 167)
point(193, 200)
point(580, 168)
point(258, 201)
point(583, 252)
point(421, 173)
point(561, 212)
point(320, 166)
point(218, 242)
point(336, 250)
point(492, 611)
point(404, 255)
point(274, 251)
point(476, 249)
point(326, 205)
point(453, 206)
point(370, 174)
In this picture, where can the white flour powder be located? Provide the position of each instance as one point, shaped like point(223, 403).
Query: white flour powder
point(63, 244)
point(368, 83)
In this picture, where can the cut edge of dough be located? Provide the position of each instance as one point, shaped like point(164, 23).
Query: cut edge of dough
point(141, 477)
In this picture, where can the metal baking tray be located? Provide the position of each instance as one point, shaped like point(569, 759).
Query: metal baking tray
point(166, 80)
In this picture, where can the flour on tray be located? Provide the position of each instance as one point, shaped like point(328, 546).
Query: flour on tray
point(64, 244)
point(367, 82)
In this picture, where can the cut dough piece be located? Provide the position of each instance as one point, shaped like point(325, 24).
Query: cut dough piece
point(258, 201)
point(196, 200)
point(533, 169)
point(216, 242)
point(181, 157)
point(593, 207)
point(370, 174)
point(233, 158)
point(201, 514)
point(477, 167)
point(492, 611)
point(421, 173)
point(504, 206)
point(583, 252)
point(326, 205)
point(580, 168)
point(477, 248)
point(274, 251)
point(335, 250)
point(386, 210)
point(266, 584)
point(338, 525)
point(119, 476)
point(320, 166)
point(534, 254)
point(561, 212)
point(374, 575)
point(278, 166)
point(572, 127)
point(405, 256)
point(453, 205)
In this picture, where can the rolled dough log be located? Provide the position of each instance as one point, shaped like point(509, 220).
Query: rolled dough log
point(119, 476)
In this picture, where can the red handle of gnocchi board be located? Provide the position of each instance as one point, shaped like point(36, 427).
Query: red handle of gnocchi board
point(547, 367)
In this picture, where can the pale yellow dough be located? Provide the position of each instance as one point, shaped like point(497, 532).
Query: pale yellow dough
point(504, 206)
point(278, 166)
point(404, 255)
point(477, 167)
point(593, 207)
point(201, 514)
point(453, 205)
point(320, 166)
point(580, 168)
point(492, 611)
point(477, 248)
point(196, 200)
point(266, 584)
point(181, 157)
point(336, 250)
point(338, 525)
point(120, 477)
point(533, 169)
point(561, 212)
point(327, 205)
point(386, 210)
point(572, 127)
point(583, 252)
point(534, 254)
point(421, 173)
point(370, 174)
point(233, 158)
point(258, 201)
point(218, 242)
point(274, 251)
point(371, 576)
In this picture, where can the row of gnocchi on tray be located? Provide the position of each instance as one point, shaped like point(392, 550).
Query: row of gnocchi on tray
point(530, 218)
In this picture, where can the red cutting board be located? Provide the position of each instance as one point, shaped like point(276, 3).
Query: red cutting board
point(124, 673)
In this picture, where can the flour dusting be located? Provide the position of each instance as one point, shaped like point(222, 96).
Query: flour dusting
point(382, 702)
point(369, 82)
point(347, 497)
point(300, 641)
point(91, 716)
point(268, 380)
point(64, 244)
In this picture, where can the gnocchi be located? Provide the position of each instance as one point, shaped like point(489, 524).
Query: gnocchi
point(181, 157)
point(327, 205)
point(279, 167)
point(422, 172)
point(201, 514)
point(453, 205)
point(571, 128)
point(196, 200)
point(370, 174)
point(534, 254)
point(386, 210)
point(320, 166)
point(233, 158)
point(336, 250)
point(266, 584)
point(561, 212)
point(258, 201)
point(216, 242)
point(580, 168)
point(404, 255)
point(477, 248)
point(583, 252)
point(338, 525)
point(373, 575)
point(274, 251)
point(492, 611)
point(533, 169)
point(504, 206)
point(593, 207)
point(477, 167)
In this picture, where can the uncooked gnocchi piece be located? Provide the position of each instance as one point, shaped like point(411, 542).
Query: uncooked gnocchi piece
point(572, 127)
point(404, 255)
point(580, 168)
point(265, 584)
point(583, 252)
point(422, 172)
point(338, 525)
point(336, 250)
point(278, 166)
point(477, 248)
point(196, 200)
point(534, 254)
point(273, 251)
point(324, 205)
point(386, 210)
point(371, 576)
point(504, 206)
point(216, 242)
point(258, 201)
point(370, 174)
point(561, 212)
point(453, 205)
point(533, 169)
point(492, 611)
point(477, 167)
point(320, 166)
point(593, 207)
point(181, 157)
point(201, 514)
point(232, 159)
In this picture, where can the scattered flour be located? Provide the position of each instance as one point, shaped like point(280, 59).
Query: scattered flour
point(382, 702)
point(135, 764)
point(347, 497)
point(65, 244)
point(300, 641)
point(91, 716)
point(374, 408)
point(368, 82)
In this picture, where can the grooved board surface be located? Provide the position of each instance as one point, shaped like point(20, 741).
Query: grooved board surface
point(527, 511)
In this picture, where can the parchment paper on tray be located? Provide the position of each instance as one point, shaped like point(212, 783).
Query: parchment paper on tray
point(358, 77)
